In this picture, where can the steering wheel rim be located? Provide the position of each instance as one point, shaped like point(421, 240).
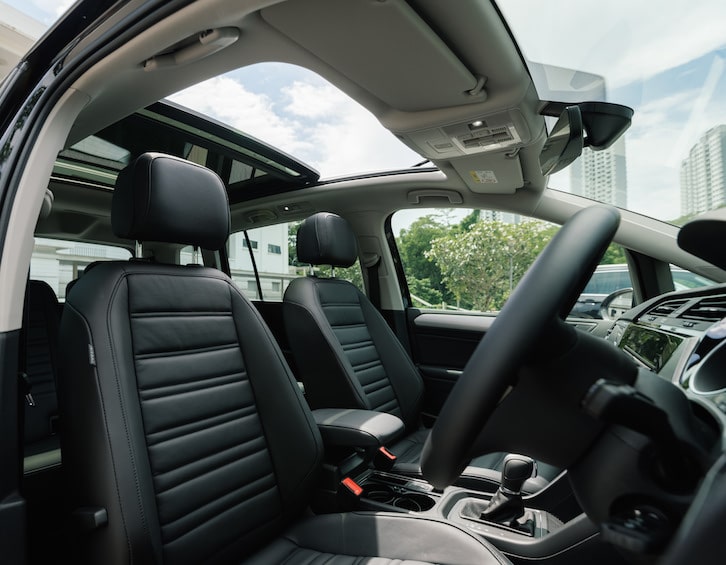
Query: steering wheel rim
point(562, 270)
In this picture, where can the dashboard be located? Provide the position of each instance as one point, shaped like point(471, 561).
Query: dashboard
point(681, 337)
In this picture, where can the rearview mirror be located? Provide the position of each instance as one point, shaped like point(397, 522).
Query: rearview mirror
point(565, 142)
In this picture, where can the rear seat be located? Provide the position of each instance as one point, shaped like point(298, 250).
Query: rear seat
point(40, 326)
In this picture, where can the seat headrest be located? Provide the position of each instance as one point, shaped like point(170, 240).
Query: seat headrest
point(164, 198)
point(326, 239)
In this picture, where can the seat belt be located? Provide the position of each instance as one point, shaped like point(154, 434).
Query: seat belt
point(25, 395)
point(374, 283)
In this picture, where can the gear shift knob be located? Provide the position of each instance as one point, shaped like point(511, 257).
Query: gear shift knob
point(506, 505)
point(515, 471)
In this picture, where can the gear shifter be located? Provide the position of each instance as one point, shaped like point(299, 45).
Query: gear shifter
point(506, 505)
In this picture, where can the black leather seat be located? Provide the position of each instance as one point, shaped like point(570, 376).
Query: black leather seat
point(182, 419)
point(347, 355)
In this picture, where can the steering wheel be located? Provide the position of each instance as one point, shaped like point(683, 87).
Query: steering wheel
point(543, 297)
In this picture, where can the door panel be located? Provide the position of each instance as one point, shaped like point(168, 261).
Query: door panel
point(443, 342)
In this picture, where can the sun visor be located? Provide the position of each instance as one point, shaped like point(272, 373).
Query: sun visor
point(492, 173)
point(360, 36)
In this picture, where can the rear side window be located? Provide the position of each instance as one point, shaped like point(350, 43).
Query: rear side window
point(275, 262)
point(58, 261)
point(608, 282)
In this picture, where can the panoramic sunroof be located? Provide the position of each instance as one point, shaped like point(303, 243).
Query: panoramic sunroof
point(249, 167)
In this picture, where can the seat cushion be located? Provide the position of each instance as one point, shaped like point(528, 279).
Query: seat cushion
point(377, 539)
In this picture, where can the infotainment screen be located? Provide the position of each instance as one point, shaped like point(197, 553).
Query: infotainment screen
point(653, 348)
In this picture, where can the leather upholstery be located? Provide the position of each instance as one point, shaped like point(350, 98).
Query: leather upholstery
point(153, 193)
point(40, 325)
point(326, 239)
point(183, 421)
point(348, 356)
point(357, 428)
point(342, 539)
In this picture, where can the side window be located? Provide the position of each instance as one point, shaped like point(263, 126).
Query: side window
point(58, 262)
point(471, 260)
point(456, 259)
point(683, 280)
point(275, 262)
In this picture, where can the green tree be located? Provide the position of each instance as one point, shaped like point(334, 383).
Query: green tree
point(614, 255)
point(482, 265)
point(423, 275)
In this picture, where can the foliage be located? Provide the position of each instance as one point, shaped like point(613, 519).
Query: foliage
point(292, 244)
point(413, 243)
point(482, 264)
point(423, 289)
point(614, 255)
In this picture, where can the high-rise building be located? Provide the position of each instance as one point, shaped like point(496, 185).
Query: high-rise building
point(499, 216)
point(601, 175)
point(703, 178)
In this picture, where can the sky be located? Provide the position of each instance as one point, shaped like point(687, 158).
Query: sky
point(666, 59)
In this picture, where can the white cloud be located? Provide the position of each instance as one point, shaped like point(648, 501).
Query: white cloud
point(311, 120)
point(228, 101)
point(52, 9)
point(346, 136)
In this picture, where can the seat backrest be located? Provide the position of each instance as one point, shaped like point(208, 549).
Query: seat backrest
point(181, 418)
point(41, 320)
point(346, 353)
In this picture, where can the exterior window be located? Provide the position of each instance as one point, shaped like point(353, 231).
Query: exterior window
point(276, 268)
point(58, 262)
point(471, 260)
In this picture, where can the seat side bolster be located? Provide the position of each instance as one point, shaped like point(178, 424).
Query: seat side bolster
point(294, 441)
point(106, 413)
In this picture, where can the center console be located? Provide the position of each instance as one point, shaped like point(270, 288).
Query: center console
point(551, 526)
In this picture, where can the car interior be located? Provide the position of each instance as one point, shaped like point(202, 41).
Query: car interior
point(168, 414)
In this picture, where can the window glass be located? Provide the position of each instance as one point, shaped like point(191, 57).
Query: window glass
point(58, 262)
point(278, 266)
point(683, 280)
point(469, 260)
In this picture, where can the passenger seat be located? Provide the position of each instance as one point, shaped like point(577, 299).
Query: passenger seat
point(348, 356)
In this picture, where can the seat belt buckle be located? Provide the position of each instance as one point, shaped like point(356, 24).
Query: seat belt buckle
point(26, 390)
point(384, 460)
point(349, 493)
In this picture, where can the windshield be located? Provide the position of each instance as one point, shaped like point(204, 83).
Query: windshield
point(666, 61)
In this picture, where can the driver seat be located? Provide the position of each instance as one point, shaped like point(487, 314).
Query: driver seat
point(186, 438)
point(348, 356)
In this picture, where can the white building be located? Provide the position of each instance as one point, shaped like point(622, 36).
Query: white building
point(18, 32)
point(602, 175)
point(58, 262)
point(703, 179)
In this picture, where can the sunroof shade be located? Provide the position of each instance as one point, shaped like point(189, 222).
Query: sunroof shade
point(248, 167)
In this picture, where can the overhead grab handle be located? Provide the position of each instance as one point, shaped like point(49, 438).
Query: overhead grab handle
point(415, 196)
point(205, 43)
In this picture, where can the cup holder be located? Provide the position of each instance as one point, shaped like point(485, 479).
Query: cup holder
point(379, 493)
point(411, 501)
point(414, 502)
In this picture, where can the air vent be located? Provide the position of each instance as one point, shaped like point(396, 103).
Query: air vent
point(665, 309)
point(711, 309)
